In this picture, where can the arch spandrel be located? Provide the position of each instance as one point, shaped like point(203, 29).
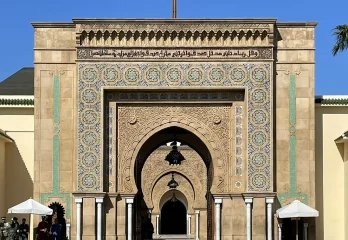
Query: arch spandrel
point(199, 120)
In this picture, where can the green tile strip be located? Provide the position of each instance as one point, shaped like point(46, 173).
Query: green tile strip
point(292, 154)
point(292, 117)
point(56, 193)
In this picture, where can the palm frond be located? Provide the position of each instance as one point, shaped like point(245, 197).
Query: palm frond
point(341, 34)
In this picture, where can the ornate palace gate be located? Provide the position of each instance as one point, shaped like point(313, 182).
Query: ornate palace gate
point(126, 89)
point(219, 96)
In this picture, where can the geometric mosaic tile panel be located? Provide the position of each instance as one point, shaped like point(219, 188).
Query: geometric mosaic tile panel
point(255, 78)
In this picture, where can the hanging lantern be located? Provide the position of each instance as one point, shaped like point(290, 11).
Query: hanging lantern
point(174, 157)
point(172, 183)
point(173, 199)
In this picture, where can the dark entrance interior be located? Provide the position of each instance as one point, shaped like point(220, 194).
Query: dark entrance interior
point(173, 218)
point(289, 229)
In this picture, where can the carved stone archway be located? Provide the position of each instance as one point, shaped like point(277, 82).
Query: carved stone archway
point(192, 170)
point(219, 157)
point(160, 189)
point(196, 179)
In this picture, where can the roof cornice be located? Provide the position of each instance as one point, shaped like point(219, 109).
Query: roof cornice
point(296, 24)
point(173, 20)
point(53, 24)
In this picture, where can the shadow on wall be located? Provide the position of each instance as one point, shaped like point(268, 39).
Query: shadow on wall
point(19, 185)
point(319, 194)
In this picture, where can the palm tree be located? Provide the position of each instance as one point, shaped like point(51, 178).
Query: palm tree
point(341, 33)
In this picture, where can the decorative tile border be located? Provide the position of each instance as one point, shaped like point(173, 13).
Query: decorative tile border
point(94, 76)
point(56, 193)
point(239, 140)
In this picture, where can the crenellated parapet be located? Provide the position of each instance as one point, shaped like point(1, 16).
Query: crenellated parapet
point(174, 33)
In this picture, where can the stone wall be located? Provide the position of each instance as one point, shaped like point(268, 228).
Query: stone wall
point(294, 115)
point(55, 116)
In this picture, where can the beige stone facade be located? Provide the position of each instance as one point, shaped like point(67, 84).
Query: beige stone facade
point(237, 93)
point(16, 152)
point(332, 166)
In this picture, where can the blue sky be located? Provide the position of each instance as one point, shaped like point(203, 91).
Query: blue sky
point(16, 37)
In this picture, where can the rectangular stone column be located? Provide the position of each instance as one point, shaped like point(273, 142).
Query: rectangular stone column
point(269, 202)
point(197, 224)
point(188, 225)
point(218, 202)
point(78, 201)
point(68, 231)
point(248, 201)
point(305, 231)
point(157, 224)
point(280, 231)
point(99, 201)
point(129, 202)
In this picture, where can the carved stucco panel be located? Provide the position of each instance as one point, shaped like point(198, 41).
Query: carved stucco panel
point(213, 122)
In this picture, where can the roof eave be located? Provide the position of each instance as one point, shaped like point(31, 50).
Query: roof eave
point(5, 137)
point(343, 138)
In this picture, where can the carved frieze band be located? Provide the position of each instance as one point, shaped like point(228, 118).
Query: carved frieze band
point(179, 34)
point(175, 96)
point(184, 27)
point(174, 53)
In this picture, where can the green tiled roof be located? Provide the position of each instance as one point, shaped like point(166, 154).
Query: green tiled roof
point(332, 101)
point(25, 102)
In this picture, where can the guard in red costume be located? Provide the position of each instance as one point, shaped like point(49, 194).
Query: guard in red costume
point(43, 229)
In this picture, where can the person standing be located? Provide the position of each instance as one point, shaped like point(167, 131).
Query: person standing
point(14, 229)
point(4, 227)
point(56, 229)
point(42, 229)
point(24, 229)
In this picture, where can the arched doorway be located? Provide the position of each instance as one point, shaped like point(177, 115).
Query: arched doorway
point(173, 215)
point(173, 218)
point(196, 168)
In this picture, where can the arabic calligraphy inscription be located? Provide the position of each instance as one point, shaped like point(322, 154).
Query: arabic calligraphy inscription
point(228, 53)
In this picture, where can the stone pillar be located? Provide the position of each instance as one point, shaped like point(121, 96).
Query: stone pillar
point(197, 224)
point(68, 231)
point(188, 225)
point(305, 231)
point(157, 224)
point(280, 231)
point(149, 213)
point(218, 202)
point(269, 201)
point(248, 201)
point(99, 201)
point(129, 202)
point(78, 201)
